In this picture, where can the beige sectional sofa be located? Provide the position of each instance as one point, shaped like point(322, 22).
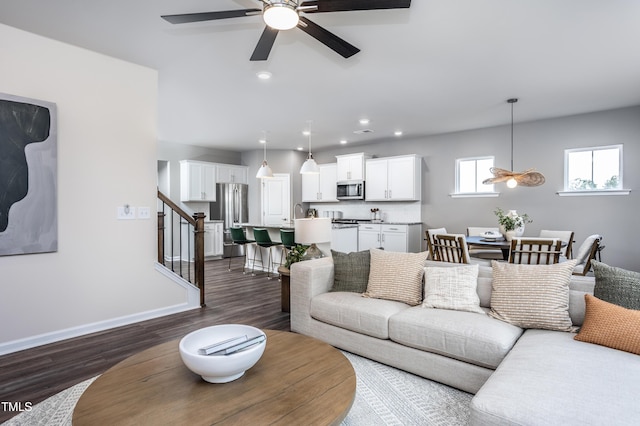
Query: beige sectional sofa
point(520, 377)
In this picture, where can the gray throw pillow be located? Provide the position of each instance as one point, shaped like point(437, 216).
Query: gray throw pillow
point(616, 285)
point(351, 271)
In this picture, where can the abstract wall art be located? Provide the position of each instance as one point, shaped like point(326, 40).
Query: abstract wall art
point(28, 176)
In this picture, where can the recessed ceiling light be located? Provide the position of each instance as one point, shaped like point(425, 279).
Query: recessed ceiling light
point(264, 75)
point(306, 132)
point(300, 148)
point(343, 141)
point(398, 133)
point(364, 121)
point(262, 140)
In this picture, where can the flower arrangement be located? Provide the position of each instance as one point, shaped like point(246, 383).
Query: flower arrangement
point(511, 221)
point(295, 255)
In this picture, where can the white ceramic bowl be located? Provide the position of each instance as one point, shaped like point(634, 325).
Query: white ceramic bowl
point(220, 368)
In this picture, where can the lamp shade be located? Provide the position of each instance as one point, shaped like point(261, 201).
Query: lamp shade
point(264, 171)
point(313, 230)
point(309, 166)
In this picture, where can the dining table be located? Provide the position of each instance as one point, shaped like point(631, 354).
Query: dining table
point(497, 243)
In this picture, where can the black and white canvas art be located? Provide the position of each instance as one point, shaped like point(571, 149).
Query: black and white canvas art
point(28, 176)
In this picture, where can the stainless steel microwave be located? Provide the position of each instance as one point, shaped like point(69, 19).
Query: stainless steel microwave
point(350, 190)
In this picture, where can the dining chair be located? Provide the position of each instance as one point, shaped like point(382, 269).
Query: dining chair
point(429, 234)
point(586, 253)
point(450, 248)
point(482, 252)
point(535, 251)
point(239, 239)
point(566, 236)
point(263, 240)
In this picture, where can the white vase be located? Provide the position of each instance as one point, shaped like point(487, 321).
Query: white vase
point(518, 232)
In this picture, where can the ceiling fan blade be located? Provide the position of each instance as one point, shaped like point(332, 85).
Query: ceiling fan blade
point(209, 16)
point(263, 48)
point(346, 5)
point(327, 38)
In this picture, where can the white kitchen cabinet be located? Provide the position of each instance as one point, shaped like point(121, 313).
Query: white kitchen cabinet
point(213, 238)
point(393, 178)
point(390, 237)
point(351, 166)
point(321, 186)
point(228, 173)
point(197, 181)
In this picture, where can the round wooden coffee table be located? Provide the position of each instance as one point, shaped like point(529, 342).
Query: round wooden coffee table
point(299, 380)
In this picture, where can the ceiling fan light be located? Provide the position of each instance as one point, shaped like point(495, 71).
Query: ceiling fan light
point(310, 166)
point(280, 16)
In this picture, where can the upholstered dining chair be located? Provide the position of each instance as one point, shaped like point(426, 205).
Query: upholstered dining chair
point(239, 239)
point(586, 253)
point(429, 234)
point(535, 251)
point(566, 236)
point(263, 240)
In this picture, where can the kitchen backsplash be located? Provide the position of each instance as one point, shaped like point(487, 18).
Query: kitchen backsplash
point(389, 212)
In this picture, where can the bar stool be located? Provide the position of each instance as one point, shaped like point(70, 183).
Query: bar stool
point(287, 236)
point(263, 240)
point(238, 238)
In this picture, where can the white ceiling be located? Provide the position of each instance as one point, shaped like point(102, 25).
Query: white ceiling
point(440, 66)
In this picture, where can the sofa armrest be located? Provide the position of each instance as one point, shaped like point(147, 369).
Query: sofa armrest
point(308, 279)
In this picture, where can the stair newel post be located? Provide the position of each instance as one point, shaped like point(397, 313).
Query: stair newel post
point(199, 253)
point(161, 238)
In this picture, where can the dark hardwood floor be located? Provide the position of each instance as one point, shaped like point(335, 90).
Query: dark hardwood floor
point(35, 374)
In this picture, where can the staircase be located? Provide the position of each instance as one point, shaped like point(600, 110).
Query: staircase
point(181, 243)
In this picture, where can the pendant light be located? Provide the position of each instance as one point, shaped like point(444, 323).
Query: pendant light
point(310, 166)
point(264, 171)
point(529, 177)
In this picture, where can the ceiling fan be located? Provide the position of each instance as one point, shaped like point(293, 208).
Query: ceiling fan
point(285, 14)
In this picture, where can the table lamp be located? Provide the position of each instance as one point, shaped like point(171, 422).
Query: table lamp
point(311, 231)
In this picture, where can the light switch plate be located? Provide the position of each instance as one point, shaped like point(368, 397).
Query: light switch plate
point(126, 213)
point(144, 212)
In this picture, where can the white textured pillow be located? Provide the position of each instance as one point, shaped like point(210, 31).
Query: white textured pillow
point(396, 276)
point(532, 296)
point(452, 288)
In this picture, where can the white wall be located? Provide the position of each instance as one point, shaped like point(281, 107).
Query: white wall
point(103, 273)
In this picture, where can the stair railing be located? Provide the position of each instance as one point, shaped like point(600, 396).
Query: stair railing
point(188, 263)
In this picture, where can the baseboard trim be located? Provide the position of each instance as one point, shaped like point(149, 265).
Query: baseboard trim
point(193, 302)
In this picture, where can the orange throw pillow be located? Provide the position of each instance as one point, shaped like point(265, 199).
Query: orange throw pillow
point(610, 325)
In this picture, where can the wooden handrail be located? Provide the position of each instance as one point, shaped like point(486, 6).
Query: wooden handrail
point(197, 221)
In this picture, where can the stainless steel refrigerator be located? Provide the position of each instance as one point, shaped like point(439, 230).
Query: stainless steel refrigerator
point(231, 206)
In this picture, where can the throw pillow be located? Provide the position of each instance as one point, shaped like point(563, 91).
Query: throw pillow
point(616, 285)
point(350, 271)
point(452, 288)
point(610, 325)
point(396, 276)
point(532, 296)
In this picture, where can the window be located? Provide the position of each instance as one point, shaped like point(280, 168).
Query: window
point(470, 172)
point(593, 169)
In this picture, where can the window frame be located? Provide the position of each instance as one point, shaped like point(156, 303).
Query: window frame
point(567, 154)
point(457, 193)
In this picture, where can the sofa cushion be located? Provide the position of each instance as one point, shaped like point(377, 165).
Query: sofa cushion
point(396, 276)
point(610, 325)
point(549, 378)
point(616, 285)
point(532, 296)
point(465, 336)
point(351, 271)
point(353, 312)
point(485, 277)
point(452, 288)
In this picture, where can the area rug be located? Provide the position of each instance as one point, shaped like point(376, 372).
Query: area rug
point(384, 396)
